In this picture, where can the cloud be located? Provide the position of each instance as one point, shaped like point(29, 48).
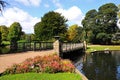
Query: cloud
point(30, 2)
point(73, 14)
point(57, 3)
point(17, 15)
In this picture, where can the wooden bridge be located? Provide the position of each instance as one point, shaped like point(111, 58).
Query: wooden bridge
point(58, 47)
point(68, 47)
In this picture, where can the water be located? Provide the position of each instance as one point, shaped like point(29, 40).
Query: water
point(100, 65)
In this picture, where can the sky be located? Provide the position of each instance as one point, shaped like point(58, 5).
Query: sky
point(29, 12)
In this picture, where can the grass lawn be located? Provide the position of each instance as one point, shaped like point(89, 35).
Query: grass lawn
point(43, 76)
point(6, 42)
point(92, 48)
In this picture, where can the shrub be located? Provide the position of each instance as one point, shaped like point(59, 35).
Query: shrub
point(47, 64)
point(67, 66)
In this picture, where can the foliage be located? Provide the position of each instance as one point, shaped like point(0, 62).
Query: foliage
point(103, 38)
point(52, 24)
point(89, 24)
point(0, 38)
point(74, 33)
point(103, 21)
point(43, 76)
point(2, 4)
point(14, 35)
point(23, 36)
point(47, 64)
point(118, 11)
point(4, 30)
point(15, 31)
point(108, 13)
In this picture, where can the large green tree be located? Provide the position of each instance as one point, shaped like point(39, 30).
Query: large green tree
point(108, 17)
point(0, 38)
point(89, 23)
point(2, 5)
point(4, 32)
point(14, 35)
point(101, 23)
point(119, 11)
point(52, 24)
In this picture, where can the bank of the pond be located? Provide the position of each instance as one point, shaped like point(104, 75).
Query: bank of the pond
point(92, 48)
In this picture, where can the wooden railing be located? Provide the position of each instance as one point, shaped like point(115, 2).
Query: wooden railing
point(67, 47)
point(59, 47)
point(34, 46)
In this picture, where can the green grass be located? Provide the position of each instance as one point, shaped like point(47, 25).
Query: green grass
point(92, 48)
point(43, 76)
point(5, 42)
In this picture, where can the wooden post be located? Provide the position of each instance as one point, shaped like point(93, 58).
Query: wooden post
point(85, 45)
point(57, 46)
point(34, 46)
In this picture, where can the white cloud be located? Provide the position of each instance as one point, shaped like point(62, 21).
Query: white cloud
point(73, 14)
point(30, 2)
point(17, 15)
point(57, 3)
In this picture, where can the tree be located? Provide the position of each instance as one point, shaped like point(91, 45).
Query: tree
point(2, 4)
point(89, 23)
point(74, 33)
point(108, 18)
point(14, 35)
point(0, 39)
point(103, 38)
point(4, 32)
point(103, 21)
point(29, 37)
point(119, 11)
point(52, 24)
point(89, 20)
point(79, 37)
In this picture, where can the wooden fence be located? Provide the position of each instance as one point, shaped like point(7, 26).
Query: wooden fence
point(34, 46)
point(67, 47)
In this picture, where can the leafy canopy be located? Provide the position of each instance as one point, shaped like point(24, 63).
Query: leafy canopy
point(15, 31)
point(4, 32)
point(101, 23)
point(52, 24)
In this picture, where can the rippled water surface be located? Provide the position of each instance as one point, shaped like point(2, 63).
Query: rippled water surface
point(100, 65)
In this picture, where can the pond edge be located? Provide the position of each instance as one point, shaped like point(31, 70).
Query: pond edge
point(83, 76)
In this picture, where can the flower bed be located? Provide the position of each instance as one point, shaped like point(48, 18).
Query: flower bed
point(44, 64)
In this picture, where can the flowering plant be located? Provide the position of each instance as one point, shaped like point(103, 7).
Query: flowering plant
point(48, 64)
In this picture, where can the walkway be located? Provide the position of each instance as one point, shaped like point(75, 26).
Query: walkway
point(7, 60)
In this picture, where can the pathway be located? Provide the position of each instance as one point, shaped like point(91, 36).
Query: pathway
point(7, 60)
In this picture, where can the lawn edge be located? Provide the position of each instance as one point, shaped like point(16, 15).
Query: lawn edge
point(83, 76)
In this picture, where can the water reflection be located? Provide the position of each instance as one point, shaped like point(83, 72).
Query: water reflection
point(100, 65)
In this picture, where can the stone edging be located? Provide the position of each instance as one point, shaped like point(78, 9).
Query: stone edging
point(78, 72)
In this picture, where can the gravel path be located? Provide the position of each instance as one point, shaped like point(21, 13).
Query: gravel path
point(8, 60)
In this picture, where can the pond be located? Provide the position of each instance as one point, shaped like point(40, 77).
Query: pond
point(100, 65)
